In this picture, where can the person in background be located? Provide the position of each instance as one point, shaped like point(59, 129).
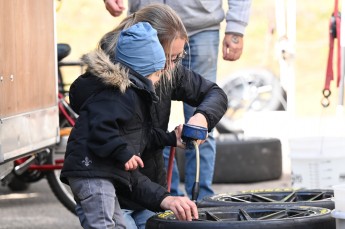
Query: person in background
point(114, 99)
point(202, 20)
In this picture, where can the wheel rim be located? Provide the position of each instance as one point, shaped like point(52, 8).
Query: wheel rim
point(252, 90)
point(272, 197)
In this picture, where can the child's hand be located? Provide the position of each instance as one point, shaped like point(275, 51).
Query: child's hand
point(133, 163)
point(178, 132)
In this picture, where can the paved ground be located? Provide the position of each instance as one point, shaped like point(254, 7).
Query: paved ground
point(37, 208)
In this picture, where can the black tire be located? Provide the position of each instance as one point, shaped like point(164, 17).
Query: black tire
point(243, 160)
point(16, 184)
point(62, 191)
point(250, 217)
point(306, 197)
point(252, 90)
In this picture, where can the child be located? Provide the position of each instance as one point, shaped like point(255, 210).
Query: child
point(113, 99)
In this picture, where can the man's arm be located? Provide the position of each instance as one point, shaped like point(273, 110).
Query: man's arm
point(237, 18)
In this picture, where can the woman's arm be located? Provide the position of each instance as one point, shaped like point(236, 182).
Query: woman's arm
point(208, 98)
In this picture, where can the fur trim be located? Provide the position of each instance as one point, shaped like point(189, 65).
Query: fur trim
point(99, 64)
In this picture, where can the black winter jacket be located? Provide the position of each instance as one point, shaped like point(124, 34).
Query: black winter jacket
point(191, 88)
point(114, 124)
point(187, 86)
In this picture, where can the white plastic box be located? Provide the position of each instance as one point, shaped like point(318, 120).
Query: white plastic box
point(317, 162)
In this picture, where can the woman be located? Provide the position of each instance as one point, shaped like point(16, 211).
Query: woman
point(178, 83)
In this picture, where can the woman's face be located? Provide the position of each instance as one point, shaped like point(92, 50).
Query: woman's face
point(176, 52)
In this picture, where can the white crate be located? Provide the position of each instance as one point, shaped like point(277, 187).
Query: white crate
point(317, 162)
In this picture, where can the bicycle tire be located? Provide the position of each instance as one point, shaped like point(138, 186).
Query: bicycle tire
point(60, 190)
point(250, 217)
point(307, 197)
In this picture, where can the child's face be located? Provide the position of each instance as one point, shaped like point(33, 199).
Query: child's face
point(155, 77)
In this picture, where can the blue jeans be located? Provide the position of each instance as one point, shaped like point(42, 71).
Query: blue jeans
point(97, 203)
point(136, 219)
point(202, 58)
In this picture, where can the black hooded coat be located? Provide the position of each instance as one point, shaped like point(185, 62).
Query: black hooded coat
point(145, 115)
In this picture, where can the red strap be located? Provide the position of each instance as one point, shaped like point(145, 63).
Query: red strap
point(329, 71)
point(333, 24)
point(170, 166)
point(337, 21)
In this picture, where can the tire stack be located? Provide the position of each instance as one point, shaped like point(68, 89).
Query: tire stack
point(243, 160)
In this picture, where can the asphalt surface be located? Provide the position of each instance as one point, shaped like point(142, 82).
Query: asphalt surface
point(37, 207)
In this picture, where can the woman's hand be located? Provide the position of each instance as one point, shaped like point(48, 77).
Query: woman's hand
point(178, 132)
point(183, 207)
point(199, 120)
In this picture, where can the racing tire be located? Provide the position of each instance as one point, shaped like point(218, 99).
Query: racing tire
point(250, 217)
point(243, 160)
point(306, 197)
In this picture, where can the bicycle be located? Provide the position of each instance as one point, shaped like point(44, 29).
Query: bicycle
point(67, 121)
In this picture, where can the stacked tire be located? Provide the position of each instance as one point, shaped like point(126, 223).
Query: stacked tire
point(243, 160)
point(286, 197)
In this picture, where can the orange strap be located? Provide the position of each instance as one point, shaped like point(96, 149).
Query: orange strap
point(65, 131)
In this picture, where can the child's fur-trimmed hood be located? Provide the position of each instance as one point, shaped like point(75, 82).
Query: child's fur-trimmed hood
point(100, 65)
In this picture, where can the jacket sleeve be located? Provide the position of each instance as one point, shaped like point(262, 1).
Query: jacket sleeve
point(237, 16)
point(105, 139)
point(208, 98)
point(160, 138)
point(147, 193)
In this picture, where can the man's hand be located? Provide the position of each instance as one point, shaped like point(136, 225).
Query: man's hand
point(232, 47)
point(115, 7)
point(133, 163)
point(183, 208)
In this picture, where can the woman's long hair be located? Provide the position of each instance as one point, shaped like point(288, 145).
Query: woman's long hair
point(161, 17)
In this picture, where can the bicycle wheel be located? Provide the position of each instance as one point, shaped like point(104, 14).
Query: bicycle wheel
point(17, 184)
point(60, 190)
point(251, 90)
point(250, 217)
point(307, 197)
